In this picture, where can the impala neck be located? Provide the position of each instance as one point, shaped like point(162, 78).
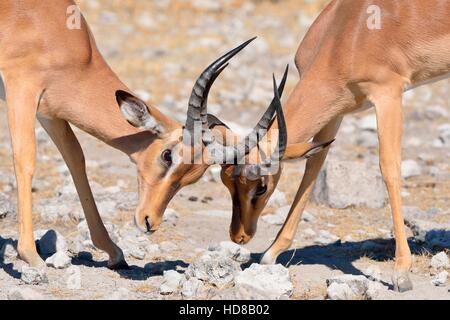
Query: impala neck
point(92, 107)
point(310, 106)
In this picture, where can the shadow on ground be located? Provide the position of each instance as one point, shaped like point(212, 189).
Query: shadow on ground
point(336, 256)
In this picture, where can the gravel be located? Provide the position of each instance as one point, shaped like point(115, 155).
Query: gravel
point(215, 269)
point(171, 282)
point(440, 280)
point(33, 276)
point(440, 261)
point(274, 280)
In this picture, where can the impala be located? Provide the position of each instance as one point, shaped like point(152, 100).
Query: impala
point(347, 67)
point(57, 74)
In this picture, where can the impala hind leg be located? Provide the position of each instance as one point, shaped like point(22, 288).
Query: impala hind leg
point(390, 130)
point(287, 233)
point(22, 106)
point(69, 147)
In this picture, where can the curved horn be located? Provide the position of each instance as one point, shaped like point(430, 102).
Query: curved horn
point(199, 97)
point(233, 154)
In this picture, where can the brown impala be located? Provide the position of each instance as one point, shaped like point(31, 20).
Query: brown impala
point(349, 64)
point(57, 74)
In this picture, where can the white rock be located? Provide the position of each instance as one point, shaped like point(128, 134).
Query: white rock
point(33, 276)
point(358, 284)
point(440, 280)
point(410, 168)
point(375, 290)
point(214, 268)
point(278, 217)
point(51, 242)
point(342, 184)
point(60, 260)
point(232, 250)
point(309, 232)
point(171, 282)
point(340, 291)
point(278, 199)
point(191, 287)
point(8, 253)
point(24, 294)
point(274, 280)
point(325, 238)
point(368, 123)
point(308, 217)
point(440, 261)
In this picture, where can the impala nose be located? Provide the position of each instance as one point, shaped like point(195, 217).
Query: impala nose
point(144, 224)
point(241, 238)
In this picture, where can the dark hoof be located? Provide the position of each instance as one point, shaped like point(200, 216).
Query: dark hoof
point(402, 283)
point(121, 265)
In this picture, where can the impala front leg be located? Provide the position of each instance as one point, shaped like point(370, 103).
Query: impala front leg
point(22, 106)
point(67, 143)
point(287, 233)
point(390, 130)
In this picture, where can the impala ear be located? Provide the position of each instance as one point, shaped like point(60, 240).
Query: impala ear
point(213, 122)
point(304, 150)
point(137, 113)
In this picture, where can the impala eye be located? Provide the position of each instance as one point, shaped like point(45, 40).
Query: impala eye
point(166, 156)
point(261, 190)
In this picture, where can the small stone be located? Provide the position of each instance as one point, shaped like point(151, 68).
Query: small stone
point(440, 261)
point(171, 282)
point(308, 217)
point(375, 290)
point(8, 253)
point(278, 199)
point(24, 294)
point(274, 280)
point(440, 280)
point(358, 284)
point(410, 168)
point(232, 250)
point(309, 232)
point(33, 276)
point(51, 242)
point(325, 238)
point(214, 268)
point(60, 260)
point(137, 253)
point(193, 199)
point(191, 287)
point(340, 291)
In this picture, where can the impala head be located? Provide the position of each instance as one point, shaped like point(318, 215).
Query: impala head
point(178, 155)
point(252, 184)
